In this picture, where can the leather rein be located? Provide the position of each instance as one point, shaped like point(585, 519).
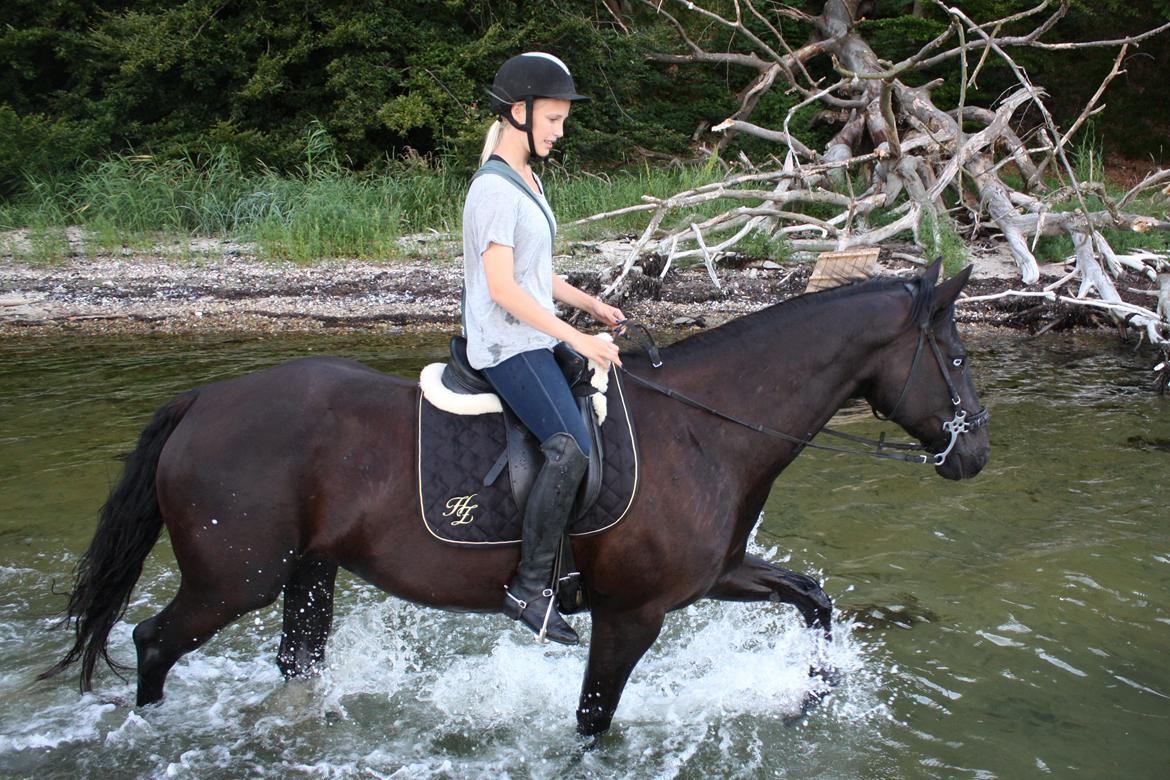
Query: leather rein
point(955, 427)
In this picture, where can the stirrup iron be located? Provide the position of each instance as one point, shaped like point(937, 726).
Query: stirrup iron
point(540, 635)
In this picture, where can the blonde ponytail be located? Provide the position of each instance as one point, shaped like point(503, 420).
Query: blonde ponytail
point(491, 140)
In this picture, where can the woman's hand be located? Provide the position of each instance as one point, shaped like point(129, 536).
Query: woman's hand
point(609, 316)
point(601, 351)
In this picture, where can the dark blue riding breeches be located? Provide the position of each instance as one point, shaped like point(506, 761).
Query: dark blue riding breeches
point(533, 386)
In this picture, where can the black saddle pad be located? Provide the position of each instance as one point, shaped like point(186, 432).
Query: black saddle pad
point(455, 452)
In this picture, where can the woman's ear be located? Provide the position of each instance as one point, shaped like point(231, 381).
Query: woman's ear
point(518, 113)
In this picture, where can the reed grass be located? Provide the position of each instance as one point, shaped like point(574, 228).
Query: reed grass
point(322, 210)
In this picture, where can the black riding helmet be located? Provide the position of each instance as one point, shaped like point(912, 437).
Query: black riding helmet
point(526, 77)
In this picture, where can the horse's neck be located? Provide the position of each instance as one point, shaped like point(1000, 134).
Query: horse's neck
point(793, 378)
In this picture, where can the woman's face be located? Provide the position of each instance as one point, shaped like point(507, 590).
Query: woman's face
point(548, 121)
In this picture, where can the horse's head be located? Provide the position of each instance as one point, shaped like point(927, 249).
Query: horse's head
point(923, 383)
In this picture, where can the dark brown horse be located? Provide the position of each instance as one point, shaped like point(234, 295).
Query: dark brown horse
point(270, 481)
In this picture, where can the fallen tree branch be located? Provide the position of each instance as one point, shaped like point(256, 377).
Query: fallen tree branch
point(899, 164)
point(1152, 323)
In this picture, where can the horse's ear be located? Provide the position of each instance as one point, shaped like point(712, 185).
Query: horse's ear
point(931, 274)
point(946, 293)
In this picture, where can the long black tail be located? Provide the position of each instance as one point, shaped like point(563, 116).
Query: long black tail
point(128, 527)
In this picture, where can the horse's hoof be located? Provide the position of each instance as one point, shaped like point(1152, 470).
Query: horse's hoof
point(146, 705)
point(592, 725)
point(831, 676)
point(592, 742)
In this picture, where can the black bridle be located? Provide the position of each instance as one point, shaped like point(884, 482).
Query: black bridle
point(955, 427)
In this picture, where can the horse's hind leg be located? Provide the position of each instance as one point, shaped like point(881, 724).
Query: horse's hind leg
point(192, 618)
point(308, 616)
point(757, 580)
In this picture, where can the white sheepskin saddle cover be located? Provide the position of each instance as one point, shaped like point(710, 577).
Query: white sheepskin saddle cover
point(437, 394)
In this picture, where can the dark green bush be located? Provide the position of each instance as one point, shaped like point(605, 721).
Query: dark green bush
point(86, 80)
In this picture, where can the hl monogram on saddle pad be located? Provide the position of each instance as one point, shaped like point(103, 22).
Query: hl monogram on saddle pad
point(460, 507)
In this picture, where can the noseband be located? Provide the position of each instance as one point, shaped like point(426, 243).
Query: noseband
point(955, 427)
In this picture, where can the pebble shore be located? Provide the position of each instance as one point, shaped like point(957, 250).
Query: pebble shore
point(221, 288)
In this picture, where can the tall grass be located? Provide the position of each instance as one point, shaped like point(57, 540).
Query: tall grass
point(940, 239)
point(579, 195)
point(322, 210)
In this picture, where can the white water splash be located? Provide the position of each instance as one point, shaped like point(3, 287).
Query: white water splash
point(413, 692)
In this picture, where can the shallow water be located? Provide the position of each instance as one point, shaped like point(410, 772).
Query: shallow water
point(1016, 625)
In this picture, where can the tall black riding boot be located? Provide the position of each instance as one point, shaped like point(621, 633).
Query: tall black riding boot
point(529, 597)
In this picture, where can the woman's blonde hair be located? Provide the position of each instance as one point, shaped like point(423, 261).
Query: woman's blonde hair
point(491, 140)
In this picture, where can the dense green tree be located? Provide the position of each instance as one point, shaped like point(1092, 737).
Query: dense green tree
point(80, 80)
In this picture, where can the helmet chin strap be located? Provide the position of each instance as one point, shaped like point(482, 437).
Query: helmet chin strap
point(526, 127)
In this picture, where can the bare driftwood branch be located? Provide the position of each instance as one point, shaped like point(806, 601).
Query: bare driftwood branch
point(1149, 182)
point(899, 165)
point(761, 132)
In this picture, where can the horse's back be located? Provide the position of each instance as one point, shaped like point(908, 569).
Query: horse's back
point(284, 438)
point(292, 403)
point(310, 385)
point(319, 371)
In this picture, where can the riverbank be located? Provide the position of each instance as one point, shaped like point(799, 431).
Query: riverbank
point(219, 287)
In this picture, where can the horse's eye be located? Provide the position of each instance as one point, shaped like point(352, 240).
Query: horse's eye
point(957, 362)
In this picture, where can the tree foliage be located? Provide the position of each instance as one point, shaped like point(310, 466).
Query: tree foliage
point(81, 79)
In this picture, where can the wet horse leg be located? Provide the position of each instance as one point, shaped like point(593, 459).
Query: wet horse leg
point(194, 616)
point(757, 580)
point(308, 616)
point(618, 642)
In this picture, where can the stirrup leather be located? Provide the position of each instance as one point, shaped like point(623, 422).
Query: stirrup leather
point(523, 604)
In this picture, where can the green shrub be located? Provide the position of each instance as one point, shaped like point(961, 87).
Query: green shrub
point(760, 245)
point(940, 238)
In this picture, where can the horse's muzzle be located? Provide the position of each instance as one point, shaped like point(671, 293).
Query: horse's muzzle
point(968, 457)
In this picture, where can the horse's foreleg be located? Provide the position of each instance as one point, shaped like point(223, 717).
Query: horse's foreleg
point(308, 616)
point(618, 642)
point(757, 580)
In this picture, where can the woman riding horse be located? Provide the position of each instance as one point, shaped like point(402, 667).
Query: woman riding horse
point(269, 482)
point(510, 320)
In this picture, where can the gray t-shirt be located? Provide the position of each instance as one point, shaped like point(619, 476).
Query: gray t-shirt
point(496, 212)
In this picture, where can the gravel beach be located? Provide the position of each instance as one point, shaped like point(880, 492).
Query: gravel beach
point(219, 286)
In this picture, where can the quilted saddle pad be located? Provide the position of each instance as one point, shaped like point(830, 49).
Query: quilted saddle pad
point(455, 452)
